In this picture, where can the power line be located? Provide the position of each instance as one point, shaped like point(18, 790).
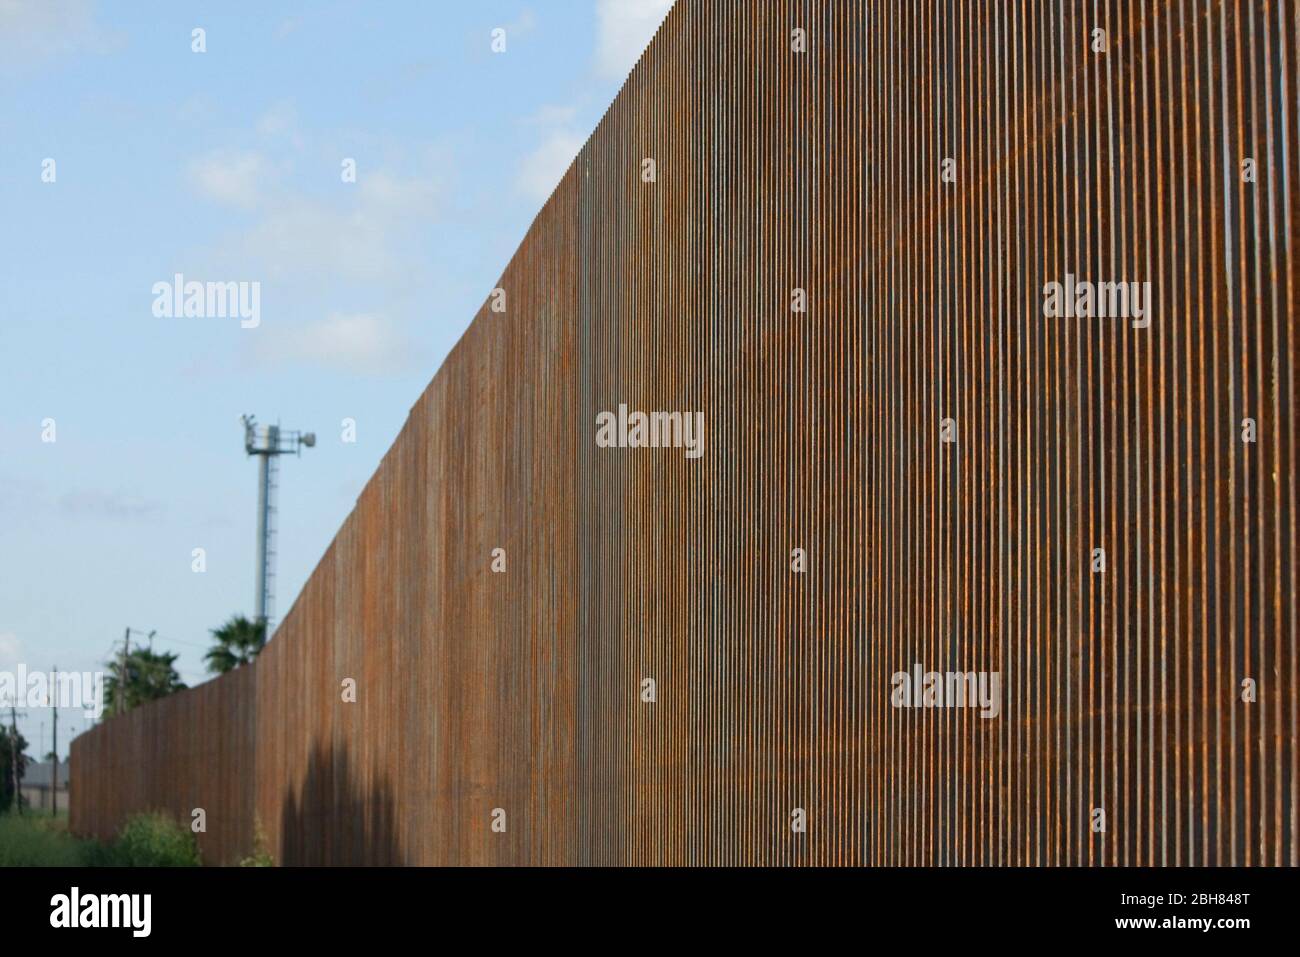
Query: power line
point(177, 641)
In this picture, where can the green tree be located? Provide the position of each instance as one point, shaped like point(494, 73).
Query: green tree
point(238, 642)
point(6, 766)
point(149, 676)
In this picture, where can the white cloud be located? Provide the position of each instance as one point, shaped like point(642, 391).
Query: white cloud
point(624, 28)
point(362, 238)
point(542, 169)
point(523, 24)
point(231, 177)
point(306, 237)
point(288, 26)
point(397, 197)
point(340, 267)
point(35, 30)
point(366, 344)
point(281, 118)
point(362, 232)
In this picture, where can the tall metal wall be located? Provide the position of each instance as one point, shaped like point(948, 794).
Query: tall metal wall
point(1125, 732)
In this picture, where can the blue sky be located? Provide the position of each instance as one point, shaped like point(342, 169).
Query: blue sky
point(226, 166)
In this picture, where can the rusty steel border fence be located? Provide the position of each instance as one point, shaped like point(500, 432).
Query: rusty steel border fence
point(988, 308)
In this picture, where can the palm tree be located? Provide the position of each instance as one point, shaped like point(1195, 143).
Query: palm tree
point(147, 676)
point(238, 642)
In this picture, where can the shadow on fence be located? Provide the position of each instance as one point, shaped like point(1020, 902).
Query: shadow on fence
point(335, 818)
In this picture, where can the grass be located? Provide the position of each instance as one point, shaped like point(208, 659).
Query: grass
point(261, 856)
point(146, 840)
point(32, 841)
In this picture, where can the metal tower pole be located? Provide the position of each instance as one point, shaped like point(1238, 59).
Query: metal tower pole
point(263, 502)
point(268, 443)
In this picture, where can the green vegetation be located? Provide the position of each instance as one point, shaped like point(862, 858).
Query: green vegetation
point(149, 676)
point(238, 642)
point(261, 856)
point(154, 840)
point(146, 675)
point(146, 840)
point(9, 747)
point(29, 840)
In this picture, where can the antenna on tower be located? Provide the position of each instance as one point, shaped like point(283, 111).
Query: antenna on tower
point(269, 442)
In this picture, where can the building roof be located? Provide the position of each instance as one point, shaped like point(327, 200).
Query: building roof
point(38, 774)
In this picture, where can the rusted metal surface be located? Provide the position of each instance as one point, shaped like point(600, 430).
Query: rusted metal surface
point(1122, 689)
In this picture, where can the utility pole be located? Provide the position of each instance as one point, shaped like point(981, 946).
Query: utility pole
point(122, 669)
point(121, 672)
point(14, 756)
point(54, 779)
